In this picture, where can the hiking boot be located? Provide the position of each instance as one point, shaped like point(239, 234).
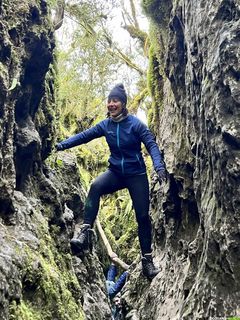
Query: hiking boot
point(83, 241)
point(148, 268)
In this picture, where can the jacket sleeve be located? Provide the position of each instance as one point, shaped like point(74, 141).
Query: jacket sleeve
point(148, 140)
point(83, 137)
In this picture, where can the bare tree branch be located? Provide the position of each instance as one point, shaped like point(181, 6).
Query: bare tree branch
point(117, 52)
point(113, 49)
point(59, 14)
point(134, 15)
point(131, 24)
point(136, 33)
point(108, 246)
point(126, 14)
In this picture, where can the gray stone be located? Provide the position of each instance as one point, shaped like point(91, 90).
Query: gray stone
point(196, 215)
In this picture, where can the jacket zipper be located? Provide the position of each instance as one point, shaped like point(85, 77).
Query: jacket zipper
point(118, 144)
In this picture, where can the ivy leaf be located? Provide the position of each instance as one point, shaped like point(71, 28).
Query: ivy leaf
point(59, 163)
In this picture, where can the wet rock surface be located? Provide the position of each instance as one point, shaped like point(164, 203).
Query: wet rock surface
point(196, 214)
point(40, 202)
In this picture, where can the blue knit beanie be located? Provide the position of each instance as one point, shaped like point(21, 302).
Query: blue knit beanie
point(118, 92)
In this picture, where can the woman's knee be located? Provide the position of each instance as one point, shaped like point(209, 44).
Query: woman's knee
point(105, 183)
point(96, 188)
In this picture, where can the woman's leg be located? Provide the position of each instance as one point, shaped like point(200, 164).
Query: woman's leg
point(112, 272)
point(108, 182)
point(139, 191)
point(117, 287)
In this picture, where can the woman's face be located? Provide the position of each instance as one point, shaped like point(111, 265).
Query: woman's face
point(115, 107)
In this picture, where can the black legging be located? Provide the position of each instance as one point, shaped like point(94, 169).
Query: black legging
point(138, 187)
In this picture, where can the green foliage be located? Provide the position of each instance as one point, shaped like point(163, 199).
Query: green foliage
point(59, 163)
point(86, 68)
point(52, 3)
point(118, 219)
point(159, 11)
point(155, 81)
point(24, 311)
point(50, 288)
point(93, 156)
point(79, 102)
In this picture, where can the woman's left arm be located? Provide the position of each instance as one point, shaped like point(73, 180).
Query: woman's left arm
point(148, 140)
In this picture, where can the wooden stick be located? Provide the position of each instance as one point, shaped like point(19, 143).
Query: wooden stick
point(109, 248)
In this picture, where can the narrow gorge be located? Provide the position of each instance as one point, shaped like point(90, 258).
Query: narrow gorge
point(194, 82)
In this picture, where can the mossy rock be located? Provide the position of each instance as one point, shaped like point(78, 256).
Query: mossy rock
point(158, 10)
point(50, 289)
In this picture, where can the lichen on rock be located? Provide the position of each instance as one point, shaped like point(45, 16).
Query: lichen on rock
point(194, 82)
point(196, 238)
point(40, 200)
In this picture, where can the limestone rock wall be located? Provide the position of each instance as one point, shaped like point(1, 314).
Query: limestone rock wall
point(194, 81)
point(41, 196)
point(26, 54)
point(195, 85)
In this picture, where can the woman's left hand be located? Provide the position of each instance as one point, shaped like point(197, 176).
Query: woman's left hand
point(162, 176)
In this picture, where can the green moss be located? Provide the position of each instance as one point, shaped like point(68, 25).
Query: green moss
point(50, 288)
point(52, 3)
point(137, 33)
point(24, 311)
point(155, 85)
point(150, 6)
point(135, 103)
point(158, 10)
point(119, 223)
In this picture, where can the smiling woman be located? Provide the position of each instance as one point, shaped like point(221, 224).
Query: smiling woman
point(124, 134)
point(115, 107)
point(97, 39)
point(93, 56)
point(117, 100)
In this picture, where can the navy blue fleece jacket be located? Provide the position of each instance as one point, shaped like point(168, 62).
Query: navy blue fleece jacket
point(124, 140)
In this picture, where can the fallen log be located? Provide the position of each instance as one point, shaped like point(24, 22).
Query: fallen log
point(110, 252)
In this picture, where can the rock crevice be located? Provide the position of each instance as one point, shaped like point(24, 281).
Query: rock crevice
point(196, 214)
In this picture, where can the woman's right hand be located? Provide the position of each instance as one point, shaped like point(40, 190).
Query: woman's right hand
point(58, 147)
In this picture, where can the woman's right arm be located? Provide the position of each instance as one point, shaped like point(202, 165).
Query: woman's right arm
point(83, 137)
